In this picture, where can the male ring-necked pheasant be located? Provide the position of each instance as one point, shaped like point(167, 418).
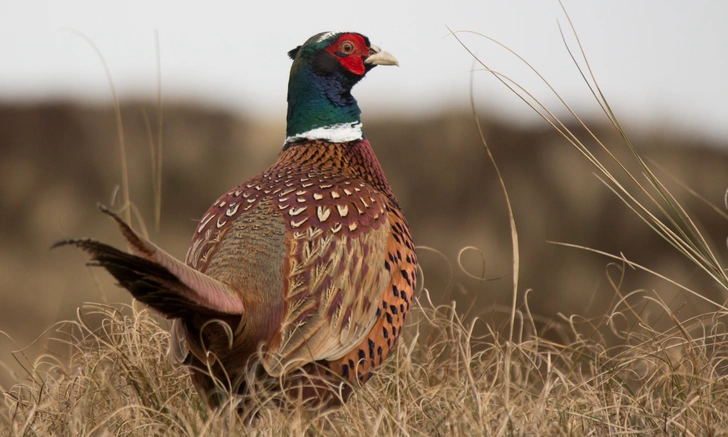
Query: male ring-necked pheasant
point(310, 263)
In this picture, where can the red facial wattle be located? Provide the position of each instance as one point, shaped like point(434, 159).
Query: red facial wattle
point(353, 61)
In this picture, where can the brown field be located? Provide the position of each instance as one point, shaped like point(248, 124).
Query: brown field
point(660, 365)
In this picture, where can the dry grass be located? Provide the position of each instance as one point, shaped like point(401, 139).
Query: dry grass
point(443, 380)
point(640, 369)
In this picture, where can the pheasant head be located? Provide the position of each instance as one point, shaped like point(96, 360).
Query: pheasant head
point(325, 68)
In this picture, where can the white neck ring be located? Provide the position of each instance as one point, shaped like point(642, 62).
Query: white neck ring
point(338, 133)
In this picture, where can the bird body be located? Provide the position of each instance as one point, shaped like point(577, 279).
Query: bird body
point(305, 272)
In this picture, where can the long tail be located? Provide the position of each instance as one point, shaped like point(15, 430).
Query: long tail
point(157, 278)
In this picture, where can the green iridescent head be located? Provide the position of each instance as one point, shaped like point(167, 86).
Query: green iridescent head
point(324, 70)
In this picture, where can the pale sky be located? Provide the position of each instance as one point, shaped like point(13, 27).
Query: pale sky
point(657, 60)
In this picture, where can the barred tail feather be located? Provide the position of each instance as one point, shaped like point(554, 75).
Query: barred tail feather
point(157, 278)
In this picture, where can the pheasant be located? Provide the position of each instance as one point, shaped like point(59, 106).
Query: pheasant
point(303, 275)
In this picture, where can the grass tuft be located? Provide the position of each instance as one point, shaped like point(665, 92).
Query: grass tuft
point(444, 379)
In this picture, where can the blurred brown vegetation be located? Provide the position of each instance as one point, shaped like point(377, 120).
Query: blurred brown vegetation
point(57, 161)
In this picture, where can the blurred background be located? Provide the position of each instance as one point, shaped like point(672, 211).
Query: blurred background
point(221, 71)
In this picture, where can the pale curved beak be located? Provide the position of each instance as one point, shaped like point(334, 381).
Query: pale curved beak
point(379, 57)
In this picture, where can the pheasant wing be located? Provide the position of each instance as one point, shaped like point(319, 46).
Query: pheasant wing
point(336, 274)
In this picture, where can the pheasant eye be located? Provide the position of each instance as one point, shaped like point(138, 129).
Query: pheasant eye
point(347, 47)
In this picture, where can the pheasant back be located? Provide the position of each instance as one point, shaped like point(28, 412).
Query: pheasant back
point(325, 258)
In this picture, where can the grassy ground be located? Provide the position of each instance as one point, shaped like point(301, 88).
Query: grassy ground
point(443, 380)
